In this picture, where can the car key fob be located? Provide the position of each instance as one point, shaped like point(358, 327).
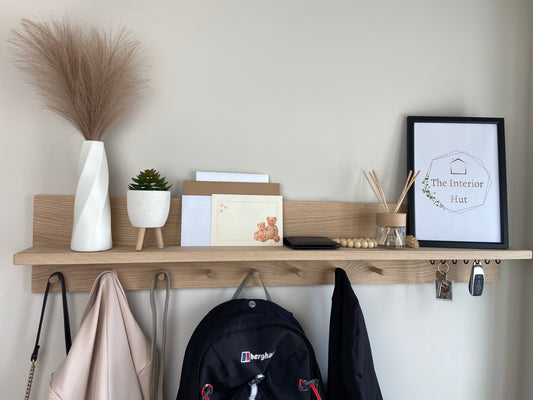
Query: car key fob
point(477, 279)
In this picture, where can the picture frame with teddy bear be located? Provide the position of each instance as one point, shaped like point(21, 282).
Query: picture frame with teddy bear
point(246, 220)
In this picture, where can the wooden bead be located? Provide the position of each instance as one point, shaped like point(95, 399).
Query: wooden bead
point(358, 243)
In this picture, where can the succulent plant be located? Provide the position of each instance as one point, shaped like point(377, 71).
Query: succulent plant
point(149, 179)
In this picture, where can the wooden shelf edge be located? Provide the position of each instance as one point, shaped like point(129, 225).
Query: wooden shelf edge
point(177, 254)
point(80, 278)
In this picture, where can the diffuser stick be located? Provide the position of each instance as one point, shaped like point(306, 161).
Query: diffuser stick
point(404, 190)
point(378, 197)
point(408, 184)
point(375, 176)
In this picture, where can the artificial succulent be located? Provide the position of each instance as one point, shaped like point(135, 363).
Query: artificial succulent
point(149, 179)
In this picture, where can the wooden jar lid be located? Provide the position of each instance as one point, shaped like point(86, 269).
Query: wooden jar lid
point(389, 219)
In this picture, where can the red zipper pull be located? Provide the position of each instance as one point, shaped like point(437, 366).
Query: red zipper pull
point(207, 390)
point(304, 386)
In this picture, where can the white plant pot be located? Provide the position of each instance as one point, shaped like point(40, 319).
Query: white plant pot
point(91, 229)
point(148, 208)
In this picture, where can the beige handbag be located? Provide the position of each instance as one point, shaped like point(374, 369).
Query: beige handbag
point(110, 358)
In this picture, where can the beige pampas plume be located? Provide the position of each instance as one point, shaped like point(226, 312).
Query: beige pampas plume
point(88, 77)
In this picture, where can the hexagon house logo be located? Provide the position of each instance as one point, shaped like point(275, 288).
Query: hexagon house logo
point(457, 182)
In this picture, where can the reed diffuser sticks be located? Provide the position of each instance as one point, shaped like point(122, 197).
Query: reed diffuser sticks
point(376, 187)
point(390, 226)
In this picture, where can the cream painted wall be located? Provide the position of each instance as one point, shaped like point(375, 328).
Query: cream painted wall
point(310, 92)
point(526, 371)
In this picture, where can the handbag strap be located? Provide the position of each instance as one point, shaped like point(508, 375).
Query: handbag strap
point(66, 325)
point(243, 284)
point(66, 321)
point(158, 362)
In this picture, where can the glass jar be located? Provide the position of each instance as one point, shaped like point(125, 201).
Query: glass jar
point(390, 230)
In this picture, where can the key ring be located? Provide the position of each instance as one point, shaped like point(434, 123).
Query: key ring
point(447, 267)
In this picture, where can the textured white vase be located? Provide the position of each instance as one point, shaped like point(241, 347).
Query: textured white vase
point(91, 230)
point(148, 208)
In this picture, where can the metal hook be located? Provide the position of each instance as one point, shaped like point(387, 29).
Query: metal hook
point(465, 261)
point(497, 261)
point(432, 262)
point(443, 261)
point(487, 262)
point(454, 261)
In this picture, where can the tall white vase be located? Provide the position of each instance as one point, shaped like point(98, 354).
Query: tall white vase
point(91, 230)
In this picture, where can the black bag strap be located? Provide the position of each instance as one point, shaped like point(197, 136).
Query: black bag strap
point(66, 321)
point(243, 284)
point(66, 324)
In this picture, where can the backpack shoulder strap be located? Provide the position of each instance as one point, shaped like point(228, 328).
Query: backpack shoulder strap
point(243, 284)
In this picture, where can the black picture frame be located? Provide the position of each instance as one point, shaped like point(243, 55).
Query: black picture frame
point(460, 196)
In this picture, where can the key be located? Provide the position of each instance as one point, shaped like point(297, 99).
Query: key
point(440, 276)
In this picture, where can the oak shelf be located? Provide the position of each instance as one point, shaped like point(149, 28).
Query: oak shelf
point(195, 267)
point(177, 254)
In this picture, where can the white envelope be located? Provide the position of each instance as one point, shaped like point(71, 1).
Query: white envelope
point(231, 177)
point(195, 220)
point(246, 220)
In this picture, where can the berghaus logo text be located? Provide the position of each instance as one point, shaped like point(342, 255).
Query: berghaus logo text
point(246, 356)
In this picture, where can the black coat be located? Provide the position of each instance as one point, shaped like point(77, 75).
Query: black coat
point(351, 374)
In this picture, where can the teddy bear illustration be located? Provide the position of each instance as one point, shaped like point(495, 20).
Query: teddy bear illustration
point(271, 230)
point(260, 234)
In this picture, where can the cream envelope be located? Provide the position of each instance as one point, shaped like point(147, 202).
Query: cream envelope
point(246, 220)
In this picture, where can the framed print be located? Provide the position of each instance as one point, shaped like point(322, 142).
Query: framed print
point(460, 197)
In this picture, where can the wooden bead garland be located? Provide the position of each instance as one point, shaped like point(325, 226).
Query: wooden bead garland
point(357, 243)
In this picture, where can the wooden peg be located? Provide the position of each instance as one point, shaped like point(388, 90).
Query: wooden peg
point(161, 276)
point(298, 272)
point(256, 273)
point(53, 279)
point(140, 239)
point(377, 270)
point(209, 273)
point(159, 238)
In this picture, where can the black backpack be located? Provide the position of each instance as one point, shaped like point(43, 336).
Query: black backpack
point(249, 350)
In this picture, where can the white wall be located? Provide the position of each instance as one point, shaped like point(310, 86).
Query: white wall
point(310, 92)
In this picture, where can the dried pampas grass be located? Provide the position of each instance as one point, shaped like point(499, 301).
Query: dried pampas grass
point(88, 77)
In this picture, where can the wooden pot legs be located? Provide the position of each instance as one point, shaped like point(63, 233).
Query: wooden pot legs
point(158, 238)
